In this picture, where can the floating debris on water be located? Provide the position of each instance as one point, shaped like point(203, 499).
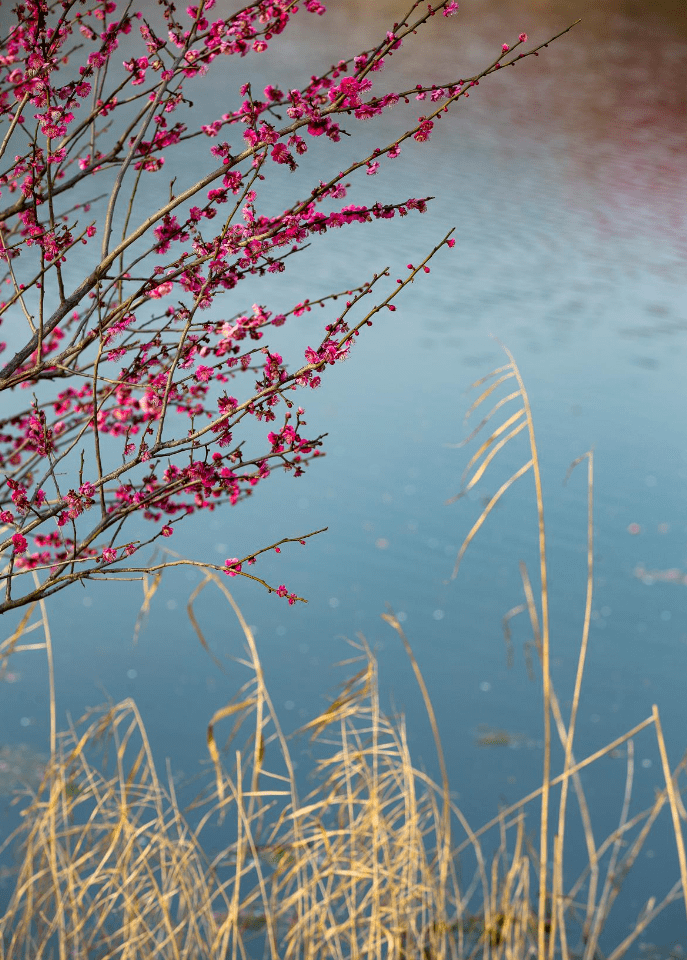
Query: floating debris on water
point(20, 767)
point(672, 575)
point(487, 736)
point(650, 951)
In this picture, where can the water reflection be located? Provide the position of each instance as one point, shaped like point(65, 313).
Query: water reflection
point(611, 94)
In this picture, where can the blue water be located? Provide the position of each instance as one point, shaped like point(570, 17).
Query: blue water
point(569, 215)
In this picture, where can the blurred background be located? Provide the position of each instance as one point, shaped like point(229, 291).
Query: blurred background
point(565, 179)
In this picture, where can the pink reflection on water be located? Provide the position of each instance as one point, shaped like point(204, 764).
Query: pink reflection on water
point(609, 98)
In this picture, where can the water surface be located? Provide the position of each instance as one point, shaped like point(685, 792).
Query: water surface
point(565, 180)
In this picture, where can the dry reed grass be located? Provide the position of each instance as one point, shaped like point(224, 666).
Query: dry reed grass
point(377, 862)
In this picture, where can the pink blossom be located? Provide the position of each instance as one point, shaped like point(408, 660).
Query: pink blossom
point(280, 154)
point(109, 555)
point(20, 543)
point(203, 374)
point(161, 291)
point(523, 38)
point(19, 497)
point(233, 567)
point(450, 8)
point(167, 531)
point(423, 133)
point(227, 404)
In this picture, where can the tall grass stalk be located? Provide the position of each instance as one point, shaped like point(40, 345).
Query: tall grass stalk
point(376, 862)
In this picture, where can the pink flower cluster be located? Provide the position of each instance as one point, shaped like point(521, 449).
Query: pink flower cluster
point(281, 591)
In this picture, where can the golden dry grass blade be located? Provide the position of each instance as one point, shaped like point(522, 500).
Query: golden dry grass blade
point(488, 392)
point(507, 634)
point(342, 706)
point(570, 733)
point(545, 655)
point(150, 586)
point(485, 513)
point(196, 626)
point(497, 406)
point(672, 797)
point(650, 912)
point(555, 707)
point(393, 621)
point(479, 473)
point(222, 714)
point(592, 937)
point(256, 666)
point(11, 644)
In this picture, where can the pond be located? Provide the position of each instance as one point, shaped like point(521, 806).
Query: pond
point(565, 180)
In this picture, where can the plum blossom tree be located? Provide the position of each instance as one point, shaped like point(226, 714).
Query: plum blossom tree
point(124, 394)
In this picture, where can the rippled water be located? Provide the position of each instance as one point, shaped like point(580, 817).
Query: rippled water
point(566, 182)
